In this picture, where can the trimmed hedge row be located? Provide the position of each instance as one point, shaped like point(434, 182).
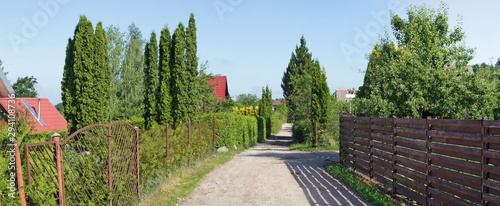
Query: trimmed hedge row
point(233, 129)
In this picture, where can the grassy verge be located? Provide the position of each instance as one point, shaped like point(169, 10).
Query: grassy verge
point(182, 183)
point(305, 147)
point(348, 177)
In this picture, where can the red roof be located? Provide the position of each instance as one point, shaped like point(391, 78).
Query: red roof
point(220, 86)
point(50, 118)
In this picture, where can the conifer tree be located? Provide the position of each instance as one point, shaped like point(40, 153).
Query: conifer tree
point(320, 95)
point(192, 68)
point(103, 74)
point(180, 78)
point(164, 95)
point(151, 81)
point(68, 89)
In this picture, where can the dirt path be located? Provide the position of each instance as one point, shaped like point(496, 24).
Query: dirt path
point(271, 174)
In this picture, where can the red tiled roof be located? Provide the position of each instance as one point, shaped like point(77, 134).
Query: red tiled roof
point(220, 86)
point(49, 115)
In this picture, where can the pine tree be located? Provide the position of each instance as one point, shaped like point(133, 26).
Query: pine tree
point(103, 74)
point(151, 81)
point(164, 96)
point(192, 68)
point(180, 80)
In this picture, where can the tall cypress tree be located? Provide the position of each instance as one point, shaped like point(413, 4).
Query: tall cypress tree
point(180, 80)
point(151, 81)
point(85, 97)
point(87, 77)
point(296, 82)
point(68, 89)
point(102, 74)
point(164, 96)
point(192, 67)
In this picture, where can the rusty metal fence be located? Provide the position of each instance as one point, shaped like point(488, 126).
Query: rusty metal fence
point(432, 161)
point(98, 164)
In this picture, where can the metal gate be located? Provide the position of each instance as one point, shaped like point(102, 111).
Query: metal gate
point(96, 165)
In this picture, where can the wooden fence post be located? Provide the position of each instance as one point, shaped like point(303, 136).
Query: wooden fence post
point(213, 142)
point(428, 161)
point(19, 174)
point(370, 149)
point(60, 176)
point(393, 156)
point(189, 142)
point(484, 176)
point(354, 143)
point(167, 142)
point(341, 159)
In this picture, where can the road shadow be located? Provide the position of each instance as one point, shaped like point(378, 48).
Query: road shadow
point(320, 187)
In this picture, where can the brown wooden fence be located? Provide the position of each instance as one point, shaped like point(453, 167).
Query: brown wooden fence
point(432, 161)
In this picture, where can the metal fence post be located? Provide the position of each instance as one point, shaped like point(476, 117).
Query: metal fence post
point(167, 142)
point(137, 162)
point(110, 175)
point(213, 142)
point(19, 174)
point(28, 170)
point(201, 140)
point(189, 142)
point(60, 176)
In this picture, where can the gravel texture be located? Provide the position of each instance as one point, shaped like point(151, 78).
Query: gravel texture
point(271, 174)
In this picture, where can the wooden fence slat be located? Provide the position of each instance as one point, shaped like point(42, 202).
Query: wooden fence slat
point(455, 122)
point(399, 121)
point(492, 185)
point(492, 139)
point(409, 183)
point(452, 176)
point(361, 148)
point(418, 177)
point(381, 179)
point(382, 164)
point(362, 141)
point(363, 156)
point(493, 172)
point(382, 155)
point(491, 154)
point(455, 135)
point(459, 191)
point(419, 166)
point(413, 154)
point(410, 132)
point(419, 198)
point(410, 143)
point(456, 164)
point(449, 200)
point(347, 138)
point(362, 135)
point(491, 199)
point(381, 128)
point(383, 147)
point(456, 151)
point(382, 137)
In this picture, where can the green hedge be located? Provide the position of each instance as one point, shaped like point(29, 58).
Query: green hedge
point(233, 129)
point(261, 124)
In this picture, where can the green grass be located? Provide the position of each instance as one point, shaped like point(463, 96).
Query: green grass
point(305, 147)
point(182, 183)
point(348, 177)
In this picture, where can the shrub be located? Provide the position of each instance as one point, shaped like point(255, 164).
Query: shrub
point(261, 124)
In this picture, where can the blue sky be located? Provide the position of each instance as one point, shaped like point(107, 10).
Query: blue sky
point(249, 41)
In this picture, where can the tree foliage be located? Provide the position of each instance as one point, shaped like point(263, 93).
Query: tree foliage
point(126, 52)
point(266, 103)
point(320, 95)
point(85, 72)
point(25, 87)
point(151, 81)
point(296, 82)
point(164, 95)
point(192, 68)
point(180, 77)
point(247, 99)
point(426, 74)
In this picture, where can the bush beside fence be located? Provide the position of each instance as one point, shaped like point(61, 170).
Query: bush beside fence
point(436, 162)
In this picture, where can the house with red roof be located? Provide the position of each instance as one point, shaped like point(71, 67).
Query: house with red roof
point(40, 112)
point(220, 87)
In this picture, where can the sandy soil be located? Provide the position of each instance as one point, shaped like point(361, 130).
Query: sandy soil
point(271, 174)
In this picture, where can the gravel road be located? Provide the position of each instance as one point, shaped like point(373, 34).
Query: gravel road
point(271, 174)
